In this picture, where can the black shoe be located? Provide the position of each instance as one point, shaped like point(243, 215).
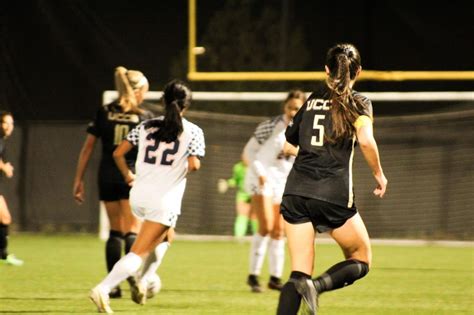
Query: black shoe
point(275, 283)
point(306, 288)
point(255, 286)
point(115, 293)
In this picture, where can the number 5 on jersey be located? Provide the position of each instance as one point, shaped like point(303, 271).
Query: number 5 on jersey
point(318, 140)
point(167, 157)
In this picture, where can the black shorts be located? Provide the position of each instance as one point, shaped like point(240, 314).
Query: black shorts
point(109, 191)
point(323, 215)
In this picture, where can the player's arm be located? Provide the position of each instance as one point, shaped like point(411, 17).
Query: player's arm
point(119, 157)
point(196, 150)
point(289, 149)
point(6, 168)
point(368, 146)
point(82, 162)
point(250, 150)
point(194, 163)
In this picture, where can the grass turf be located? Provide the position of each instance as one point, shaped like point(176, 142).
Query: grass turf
point(209, 278)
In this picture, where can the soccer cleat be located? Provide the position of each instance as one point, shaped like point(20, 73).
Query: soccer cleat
point(115, 293)
point(12, 260)
point(275, 283)
point(307, 290)
point(101, 300)
point(139, 292)
point(255, 286)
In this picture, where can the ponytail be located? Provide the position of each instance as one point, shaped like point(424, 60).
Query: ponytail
point(343, 61)
point(126, 83)
point(176, 98)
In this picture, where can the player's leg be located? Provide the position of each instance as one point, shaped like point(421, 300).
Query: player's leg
point(149, 236)
point(130, 223)
point(258, 249)
point(276, 249)
point(113, 245)
point(354, 241)
point(154, 260)
point(130, 227)
point(253, 217)
point(300, 239)
point(242, 209)
point(5, 221)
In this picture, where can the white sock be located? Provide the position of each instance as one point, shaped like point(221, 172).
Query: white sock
point(258, 250)
point(153, 261)
point(127, 266)
point(276, 257)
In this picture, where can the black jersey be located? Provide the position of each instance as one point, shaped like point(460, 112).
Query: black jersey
point(112, 125)
point(322, 170)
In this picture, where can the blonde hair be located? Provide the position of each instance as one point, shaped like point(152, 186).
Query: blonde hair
point(127, 83)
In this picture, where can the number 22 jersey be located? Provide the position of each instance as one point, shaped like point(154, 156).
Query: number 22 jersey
point(161, 167)
point(322, 170)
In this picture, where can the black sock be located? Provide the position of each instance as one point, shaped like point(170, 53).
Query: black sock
point(290, 300)
point(129, 238)
point(3, 241)
point(340, 275)
point(113, 249)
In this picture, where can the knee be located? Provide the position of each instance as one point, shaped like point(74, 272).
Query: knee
point(265, 228)
point(360, 253)
point(277, 233)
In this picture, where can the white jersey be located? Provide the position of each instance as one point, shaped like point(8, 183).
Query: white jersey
point(161, 168)
point(265, 154)
point(270, 160)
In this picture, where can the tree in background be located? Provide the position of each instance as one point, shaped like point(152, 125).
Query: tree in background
point(249, 35)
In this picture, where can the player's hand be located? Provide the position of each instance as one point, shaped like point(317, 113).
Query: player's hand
point(222, 186)
point(8, 169)
point(262, 180)
point(78, 191)
point(130, 178)
point(381, 185)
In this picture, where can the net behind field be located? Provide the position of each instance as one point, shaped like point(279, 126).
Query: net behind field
point(427, 158)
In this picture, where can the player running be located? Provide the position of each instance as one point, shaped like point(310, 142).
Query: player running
point(169, 147)
point(319, 194)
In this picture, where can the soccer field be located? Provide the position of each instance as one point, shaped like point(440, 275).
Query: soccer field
point(209, 278)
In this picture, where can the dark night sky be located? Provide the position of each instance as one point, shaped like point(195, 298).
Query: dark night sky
point(58, 56)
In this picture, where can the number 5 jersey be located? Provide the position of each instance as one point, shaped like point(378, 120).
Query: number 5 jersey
point(322, 170)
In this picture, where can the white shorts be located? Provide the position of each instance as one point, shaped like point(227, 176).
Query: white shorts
point(272, 188)
point(161, 207)
point(167, 218)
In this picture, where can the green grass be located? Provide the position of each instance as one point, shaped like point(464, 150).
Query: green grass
point(209, 278)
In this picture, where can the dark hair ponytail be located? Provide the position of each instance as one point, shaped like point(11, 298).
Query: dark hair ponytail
point(176, 98)
point(343, 62)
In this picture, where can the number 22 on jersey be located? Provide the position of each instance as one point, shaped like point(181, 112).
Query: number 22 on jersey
point(318, 139)
point(167, 156)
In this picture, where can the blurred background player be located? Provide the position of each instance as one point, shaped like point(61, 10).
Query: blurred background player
point(319, 194)
point(169, 147)
point(111, 124)
point(265, 180)
point(244, 216)
point(7, 126)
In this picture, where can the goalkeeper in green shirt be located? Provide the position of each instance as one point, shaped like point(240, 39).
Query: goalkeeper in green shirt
point(242, 200)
